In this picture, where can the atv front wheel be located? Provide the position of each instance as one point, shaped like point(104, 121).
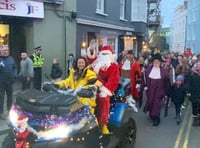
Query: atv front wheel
point(129, 131)
point(9, 141)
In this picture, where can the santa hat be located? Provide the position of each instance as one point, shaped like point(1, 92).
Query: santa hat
point(106, 49)
point(22, 118)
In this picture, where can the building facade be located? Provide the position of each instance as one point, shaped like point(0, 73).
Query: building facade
point(193, 30)
point(61, 26)
point(26, 24)
point(118, 23)
point(179, 29)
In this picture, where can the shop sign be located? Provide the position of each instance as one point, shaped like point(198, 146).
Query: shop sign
point(23, 8)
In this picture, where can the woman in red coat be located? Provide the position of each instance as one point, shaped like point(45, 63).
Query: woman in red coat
point(130, 68)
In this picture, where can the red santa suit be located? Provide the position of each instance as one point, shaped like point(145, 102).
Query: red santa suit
point(108, 76)
point(23, 132)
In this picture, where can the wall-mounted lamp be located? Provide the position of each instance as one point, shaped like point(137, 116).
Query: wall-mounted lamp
point(134, 37)
point(83, 44)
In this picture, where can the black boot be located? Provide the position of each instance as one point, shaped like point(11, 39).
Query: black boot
point(195, 121)
point(145, 109)
point(198, 119)
point(178, 119)
point(156, 121)
point(140, 102)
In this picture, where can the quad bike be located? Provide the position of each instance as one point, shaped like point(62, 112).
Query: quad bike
point(55, 118)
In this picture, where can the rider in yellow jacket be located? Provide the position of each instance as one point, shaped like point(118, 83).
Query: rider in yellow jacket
point(79, 77)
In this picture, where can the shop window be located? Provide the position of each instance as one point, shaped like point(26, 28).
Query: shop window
point(129, 42)
point(4, 34)
point(100, 43)
point(111, 43)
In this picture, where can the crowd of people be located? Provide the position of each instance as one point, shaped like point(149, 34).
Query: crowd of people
point(170, 76)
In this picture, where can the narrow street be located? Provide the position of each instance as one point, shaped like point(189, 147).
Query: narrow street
point(167, 135)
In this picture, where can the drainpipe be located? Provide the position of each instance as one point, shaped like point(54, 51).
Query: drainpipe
point(65, 44)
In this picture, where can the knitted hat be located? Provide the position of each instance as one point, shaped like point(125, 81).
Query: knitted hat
point(180, 78)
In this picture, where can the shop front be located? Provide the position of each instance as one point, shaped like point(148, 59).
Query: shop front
point(118, 37)
point(104, 34)
point(16, 18)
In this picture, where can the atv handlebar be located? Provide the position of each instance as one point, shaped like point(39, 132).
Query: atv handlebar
point(81, 91)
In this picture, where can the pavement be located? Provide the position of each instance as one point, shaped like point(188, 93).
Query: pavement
point(3, 123)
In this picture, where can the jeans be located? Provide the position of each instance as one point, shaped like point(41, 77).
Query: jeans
point(5, 88)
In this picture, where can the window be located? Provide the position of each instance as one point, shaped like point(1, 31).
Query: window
point(100, 6)
point(111, 43)
point(4, 34)
point(122, 9)
point(139, 10)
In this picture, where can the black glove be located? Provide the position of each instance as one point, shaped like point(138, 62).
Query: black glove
point(50, 87)
point(86, 93)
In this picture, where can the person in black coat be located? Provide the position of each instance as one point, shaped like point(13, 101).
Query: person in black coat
point(178, 93)
point(194, 90)
point(56, 71)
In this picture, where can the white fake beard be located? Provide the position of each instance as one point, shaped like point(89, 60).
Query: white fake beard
point(22, 127)
point(102, 62)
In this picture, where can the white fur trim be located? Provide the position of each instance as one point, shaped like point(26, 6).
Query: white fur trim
point(32, 130)
point(99, 82)
point(105, 90)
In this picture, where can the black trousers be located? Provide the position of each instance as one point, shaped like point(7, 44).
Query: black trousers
point(6, 88)
point(37, 79)
point(178, 108)
point(196, 107)
point(26, 84)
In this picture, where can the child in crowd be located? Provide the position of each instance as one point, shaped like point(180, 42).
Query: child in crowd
point(178, 93)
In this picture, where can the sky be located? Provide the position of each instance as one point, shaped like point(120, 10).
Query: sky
point(168, 8)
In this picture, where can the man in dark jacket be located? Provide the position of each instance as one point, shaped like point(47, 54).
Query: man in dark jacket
point(8, 73)
point(195, 93)
point(56, 71)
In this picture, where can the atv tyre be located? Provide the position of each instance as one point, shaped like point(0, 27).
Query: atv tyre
point(128, 138)
point(9, 141)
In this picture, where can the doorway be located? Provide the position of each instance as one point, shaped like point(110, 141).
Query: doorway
point(12, 33)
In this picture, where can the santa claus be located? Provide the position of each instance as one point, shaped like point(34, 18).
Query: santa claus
point(108, 79)
point(24, 131)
